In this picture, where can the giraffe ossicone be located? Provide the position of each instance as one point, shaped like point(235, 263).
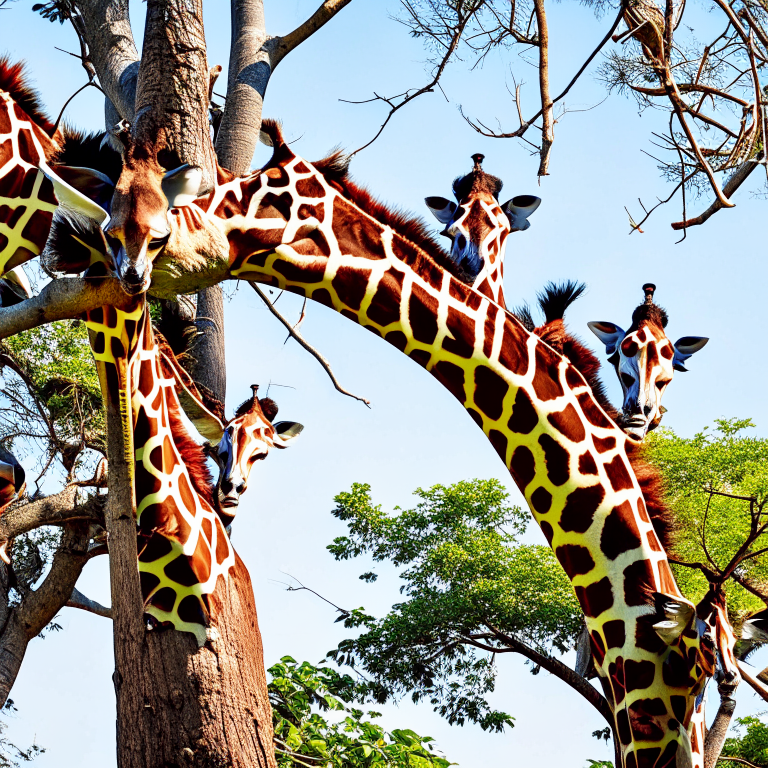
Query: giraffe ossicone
point(478, 227)
point(645, 361)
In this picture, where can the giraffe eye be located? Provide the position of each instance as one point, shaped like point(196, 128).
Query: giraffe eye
point(661, 384)
point(158, 242)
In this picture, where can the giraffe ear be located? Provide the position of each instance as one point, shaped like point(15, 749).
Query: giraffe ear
point(518, 209)
point(441, 208)
point(673, 615)
point(92, 183)
point(181, 186)
point(755, 628)
point(286, 432)
point(71, 197)
point(684, 348)
point(609, 333)
point(14, 287)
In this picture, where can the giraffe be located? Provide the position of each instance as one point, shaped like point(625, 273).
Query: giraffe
point(644, 377)
point(703, 630)
point(184, 548)
point(27, 144)
point(478, 227)
point(645, 360)
point(308, 229)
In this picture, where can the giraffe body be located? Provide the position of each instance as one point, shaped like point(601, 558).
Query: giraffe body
point(293, 226)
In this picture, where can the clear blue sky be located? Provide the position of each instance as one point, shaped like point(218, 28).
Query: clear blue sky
point(416, 434)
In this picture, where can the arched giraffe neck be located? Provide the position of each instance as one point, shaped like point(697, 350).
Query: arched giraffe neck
point(289, 227)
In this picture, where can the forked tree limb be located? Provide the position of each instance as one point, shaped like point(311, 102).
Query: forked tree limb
point(320, 17)
point(306, 345)
point(112, 50)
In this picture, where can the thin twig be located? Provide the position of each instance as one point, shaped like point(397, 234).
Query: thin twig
point(312, 351)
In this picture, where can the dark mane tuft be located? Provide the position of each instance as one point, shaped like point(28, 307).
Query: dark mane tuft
point(477, 181)
point(555, 334)
point(273, 133)
point(268, 408)
point(335, 167)
point(14, 80)
point(555, 299)
point(651, 313)
point(523, 314)
point(88, 150)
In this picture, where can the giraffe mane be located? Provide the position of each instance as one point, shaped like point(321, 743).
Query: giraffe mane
point(554, 300)
point(88, 150)
point(335, 170)
point(192, 455)
point(15, 81)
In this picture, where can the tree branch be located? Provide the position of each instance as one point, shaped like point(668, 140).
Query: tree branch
point(560, 670)
point(760, 688)
point(547, 125)
point(306, 345)
point(319, 18)
point(67, 298)
point(112, 50)
point(58, 509)
point(79, 600)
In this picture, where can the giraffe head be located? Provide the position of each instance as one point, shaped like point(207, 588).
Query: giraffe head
point(645, 360)
point(476, 224)
point(134, 213)
point(139, 225)
point(247, 439)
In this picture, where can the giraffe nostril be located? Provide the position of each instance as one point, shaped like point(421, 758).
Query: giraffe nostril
point(647, 410)
point(461, 242)
point(226, 487)
point(240, 489)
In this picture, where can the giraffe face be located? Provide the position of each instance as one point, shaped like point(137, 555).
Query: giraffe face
point(246, 440)
point(478, 227)
point(139, 227)
point(645, 361)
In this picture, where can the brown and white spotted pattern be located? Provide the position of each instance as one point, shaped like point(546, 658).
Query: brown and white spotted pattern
point(183, 547)
point(27, 202)
point(291, 226)
point(645, 361)
point(478, 226)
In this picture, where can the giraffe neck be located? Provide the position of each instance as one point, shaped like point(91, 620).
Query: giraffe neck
point(27, 202)
point(183, 547)
point(490, 281)
point(289, 227)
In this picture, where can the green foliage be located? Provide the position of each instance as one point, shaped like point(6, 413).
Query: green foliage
point(721, 459)
point(751, 746)
point(599, 764)
point(465, 576)
point(51, 392)
point(304, 737)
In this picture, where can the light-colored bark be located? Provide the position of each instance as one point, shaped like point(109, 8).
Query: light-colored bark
point(112, 49)
point(713, 744)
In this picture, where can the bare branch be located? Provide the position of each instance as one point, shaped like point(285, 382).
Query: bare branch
point(306, 345)
point(320, 17)
point(760, 688)
point(79, 600)
point(547, 127)
point(525, 125)
point(560, 670)
point(62, 507)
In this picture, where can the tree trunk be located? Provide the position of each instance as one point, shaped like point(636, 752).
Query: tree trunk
point(208, 366)
point(713, 744)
